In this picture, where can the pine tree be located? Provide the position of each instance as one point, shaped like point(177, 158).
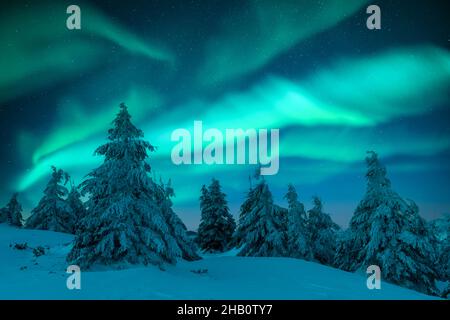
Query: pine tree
point(220, 206)
point(77, 208)
point(246, 208)
point(217, 225)
point(281, 215)
point(205, 233)
point(322, 233)
point(53, 211)
point(14, 212)
point(387, 231)
point(164, 193)
point(261, 231)
point(124, 223)
point(440, 230)
point(205, 204)
point(3, 215)
point(297, 230)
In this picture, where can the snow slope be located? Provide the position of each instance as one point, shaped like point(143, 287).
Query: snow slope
point(22, 276)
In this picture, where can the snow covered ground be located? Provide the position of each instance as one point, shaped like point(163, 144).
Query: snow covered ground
point(23, 276)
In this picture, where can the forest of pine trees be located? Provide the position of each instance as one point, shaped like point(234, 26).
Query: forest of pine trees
point(128, 218)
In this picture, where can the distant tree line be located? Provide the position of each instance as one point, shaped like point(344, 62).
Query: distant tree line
point(385, 230)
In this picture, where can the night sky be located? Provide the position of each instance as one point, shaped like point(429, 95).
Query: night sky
point(310, 68)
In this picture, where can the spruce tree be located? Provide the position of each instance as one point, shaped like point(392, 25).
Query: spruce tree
point(205, 233)
point(297, 230)
point(281, 215)
point(387, 231)
point(53, 211)
point(220, 206)
point(245, 208)
point(205, 204)
point(124, 223)
point(440, 231)
point(322, 233)
point(217, 225)
point(261, 230)
point(3, 215)
point(77, 207)
point(14, 212)
point(163, 195)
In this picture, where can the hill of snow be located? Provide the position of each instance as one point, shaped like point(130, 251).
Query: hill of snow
point(24, 276)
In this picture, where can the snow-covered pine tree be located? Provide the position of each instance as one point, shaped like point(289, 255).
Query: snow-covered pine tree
point(3, 215)
point(261, 230)
point(204, 236)
point(124, 223)
point(220, 206)
point(387, 231)
point(53, 211)
point(281, 215)
point(297, 230)
point(164, 193)
point(246, 207)
point(322, 233)
point(440, 229)
point(14, 211)
point(77, 207)
point(217, 225)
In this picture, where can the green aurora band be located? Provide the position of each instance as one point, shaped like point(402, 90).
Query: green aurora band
point(286, 105)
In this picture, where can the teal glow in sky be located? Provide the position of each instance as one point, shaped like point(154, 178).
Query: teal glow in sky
point(332, 87)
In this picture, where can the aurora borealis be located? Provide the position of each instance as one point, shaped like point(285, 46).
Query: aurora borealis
point(310, 68)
